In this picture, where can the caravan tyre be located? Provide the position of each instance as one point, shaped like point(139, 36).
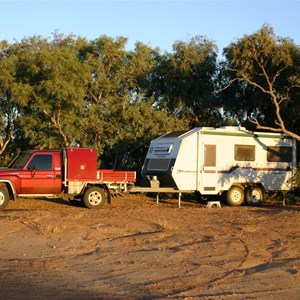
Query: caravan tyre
point(235, 196)
point(254, 195)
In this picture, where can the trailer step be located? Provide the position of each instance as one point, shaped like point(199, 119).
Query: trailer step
point(211, 204)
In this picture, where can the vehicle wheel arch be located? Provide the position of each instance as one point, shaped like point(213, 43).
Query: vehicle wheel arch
point(6, 183)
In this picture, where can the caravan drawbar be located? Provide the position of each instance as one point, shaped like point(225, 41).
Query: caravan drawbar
point(242, 165)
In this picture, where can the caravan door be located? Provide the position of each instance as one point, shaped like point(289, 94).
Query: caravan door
point(209, 175)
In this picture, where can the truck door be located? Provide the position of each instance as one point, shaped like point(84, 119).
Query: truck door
point(40, 175)
point(208, 182)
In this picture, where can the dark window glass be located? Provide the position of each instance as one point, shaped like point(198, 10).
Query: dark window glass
point(279, 154)
point(244, 153)
point(210, 155)
point(158, 164)
point(41, 162)
point(21, 161)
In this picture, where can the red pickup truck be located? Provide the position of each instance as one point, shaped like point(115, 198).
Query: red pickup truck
point(70, 172)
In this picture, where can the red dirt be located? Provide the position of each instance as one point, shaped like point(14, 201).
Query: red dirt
point(137, 249)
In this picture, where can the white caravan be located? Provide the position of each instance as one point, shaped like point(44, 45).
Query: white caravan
point(242, 163)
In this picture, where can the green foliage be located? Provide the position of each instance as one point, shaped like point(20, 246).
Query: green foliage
point(263, 72)
point(67, 91)
point(138, 125)
point(183, 82)
point(53, 101)
point(71, 92)
point(124, 120)
point(9, 110)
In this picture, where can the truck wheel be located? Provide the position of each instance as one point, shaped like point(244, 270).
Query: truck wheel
point(4, 198)
point(254, 195)
point(235, 196)
point(94, 197)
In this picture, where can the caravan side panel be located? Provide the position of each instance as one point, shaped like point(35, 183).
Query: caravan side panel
point(185, 170)
point(247, 158)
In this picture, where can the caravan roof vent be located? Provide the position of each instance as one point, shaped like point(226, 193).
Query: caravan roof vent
point(208, 128)
point(233, 128)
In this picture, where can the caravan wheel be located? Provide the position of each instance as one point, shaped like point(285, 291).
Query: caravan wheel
point(254, 195)
point(235, 196)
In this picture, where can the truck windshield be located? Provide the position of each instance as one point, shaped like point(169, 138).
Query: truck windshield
point(20, 162)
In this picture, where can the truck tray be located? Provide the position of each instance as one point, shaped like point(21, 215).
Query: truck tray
point(106, 175)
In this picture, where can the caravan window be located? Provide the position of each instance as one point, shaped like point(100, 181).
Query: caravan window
point(159, 164)
point(210, 155)
point(244, 152)
point(279, 154)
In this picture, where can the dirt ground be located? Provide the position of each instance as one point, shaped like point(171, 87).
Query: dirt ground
point(138, 249)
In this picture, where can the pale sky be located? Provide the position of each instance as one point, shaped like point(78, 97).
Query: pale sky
point(157, 23)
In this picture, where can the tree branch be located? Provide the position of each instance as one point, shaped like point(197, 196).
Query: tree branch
point(4, 144)
point(56, 122)
point(229, 84)
point(283, 130)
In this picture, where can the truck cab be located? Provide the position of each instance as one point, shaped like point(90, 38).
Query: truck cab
point(36, 172)
point(32, 173)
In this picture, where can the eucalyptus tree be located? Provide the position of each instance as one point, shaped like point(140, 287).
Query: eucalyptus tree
point(6, 103)
point(141, 120)
point(52, 83)
point(263, 71)
point(10, 112)
point(104, 96)
point(123, 118)
point(183, 82)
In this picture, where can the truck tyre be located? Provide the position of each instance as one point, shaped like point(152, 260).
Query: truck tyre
point(94, 197)
point(4, 198)
point(235, 196)
point(254, 195)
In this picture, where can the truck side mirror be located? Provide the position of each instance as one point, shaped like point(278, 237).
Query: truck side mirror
point(32, 168)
